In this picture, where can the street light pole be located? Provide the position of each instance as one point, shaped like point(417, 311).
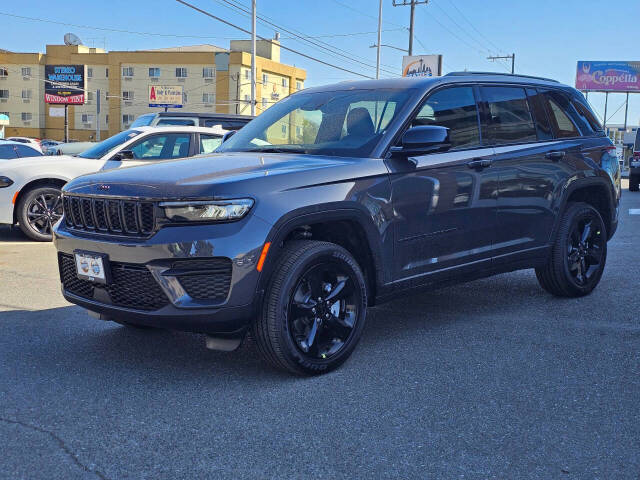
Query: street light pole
point(379, 40)
point(253, 57)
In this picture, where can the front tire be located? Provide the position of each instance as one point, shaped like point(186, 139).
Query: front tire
point(579, 253)
point(314, 309)
point(38, 211)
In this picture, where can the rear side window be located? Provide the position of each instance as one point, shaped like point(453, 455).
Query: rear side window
point(588, 122)
point(25, 151)
point(7, 152)
point(563, 126)
point(454, 108)
point(510, 118)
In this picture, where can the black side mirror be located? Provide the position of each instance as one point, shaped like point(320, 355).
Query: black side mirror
point(124, 155)
point(423, 139)
point(228, 135)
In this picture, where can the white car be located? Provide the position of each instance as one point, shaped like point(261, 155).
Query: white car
point(30, 188)
point(32, 142)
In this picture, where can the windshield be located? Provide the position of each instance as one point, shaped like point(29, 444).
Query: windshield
point(102, 148)
point(143, 120)
point(339, 123)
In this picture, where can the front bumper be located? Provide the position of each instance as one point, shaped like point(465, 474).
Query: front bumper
point(149, 287)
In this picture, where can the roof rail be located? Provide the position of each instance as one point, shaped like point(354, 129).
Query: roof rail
point(463, 74)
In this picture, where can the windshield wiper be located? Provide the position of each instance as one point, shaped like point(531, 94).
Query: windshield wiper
point(275, 149)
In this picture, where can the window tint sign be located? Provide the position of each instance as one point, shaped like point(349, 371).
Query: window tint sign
point(169, 96)
point(608, 76)
point(64, 84)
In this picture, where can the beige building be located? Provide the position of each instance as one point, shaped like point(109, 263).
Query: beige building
point(214, 79)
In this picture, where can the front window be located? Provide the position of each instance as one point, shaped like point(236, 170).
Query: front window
point(209, 143)
point(104, 147)
point(342, 123)
point(162, 147)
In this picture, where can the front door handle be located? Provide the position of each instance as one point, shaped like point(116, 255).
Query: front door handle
point(555, 156)
point(480, 163)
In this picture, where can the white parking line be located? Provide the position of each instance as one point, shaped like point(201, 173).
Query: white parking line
point(634, 211)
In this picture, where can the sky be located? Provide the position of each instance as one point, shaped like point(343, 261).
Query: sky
point(548, 37)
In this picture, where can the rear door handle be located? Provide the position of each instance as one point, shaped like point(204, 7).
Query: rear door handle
point(556, 156)
point(480, 163)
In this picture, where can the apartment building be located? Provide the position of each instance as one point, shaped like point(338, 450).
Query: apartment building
point(214, 79)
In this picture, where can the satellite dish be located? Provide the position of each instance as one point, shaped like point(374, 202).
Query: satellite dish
point(71, 39)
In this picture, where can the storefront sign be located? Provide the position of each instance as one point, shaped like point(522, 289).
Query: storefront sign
point(422, 66)
point(64, 84)
point(169, 96)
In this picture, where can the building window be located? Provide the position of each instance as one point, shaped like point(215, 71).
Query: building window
point(154, 72)
point(265, 79)
point(181, 72)
point(208, 72)
point(127, 118)
point(4, 72)
point(106, 119)
point(208, 98)
point(284, 129)
point(89, 72)
point(26, 116)
point(285, 83)
point(106, 73)
point(247, 74)
point(298, 131)
point(264, 103)
point(4, 93)
point(89, 96)
point(26, 94)
point(127, 71)
point(26, 71)
point(127, 95)
point(87, 118)
point(298, 85)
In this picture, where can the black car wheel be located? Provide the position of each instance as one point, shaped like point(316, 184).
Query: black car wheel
point(314, 309)
point(634, 183)
point(578, 254)
point(38, 211)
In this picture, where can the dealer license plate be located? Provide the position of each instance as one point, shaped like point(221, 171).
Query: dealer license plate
point(91, 266)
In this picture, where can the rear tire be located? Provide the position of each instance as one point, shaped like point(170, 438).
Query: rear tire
point(314, 309)
point(634, 183)
point(38, 210)
point(578, 253)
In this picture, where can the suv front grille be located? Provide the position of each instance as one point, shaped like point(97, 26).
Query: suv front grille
point(110, 216)
point(132, 286)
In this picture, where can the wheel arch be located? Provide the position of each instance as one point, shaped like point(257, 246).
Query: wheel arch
point(350, 228)
point(33, 183)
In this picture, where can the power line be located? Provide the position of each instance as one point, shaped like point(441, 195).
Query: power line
point(474, 27)
point(204, 12)
point(318, 44)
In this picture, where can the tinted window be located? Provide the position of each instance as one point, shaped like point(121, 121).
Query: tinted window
point(7, 152)
point(25, 151)
point(226, 124)
point(510, 119)
point(159, 147)
point(104, 147)
point(208, 143)
point(176, 121)
point(585, 117)
point(543, 127)
point(454, 108)
point(562, 125)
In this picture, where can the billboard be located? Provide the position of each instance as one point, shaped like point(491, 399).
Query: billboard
point(608, 76)
point(422, 65)
point(64, 84)
point(169, 96)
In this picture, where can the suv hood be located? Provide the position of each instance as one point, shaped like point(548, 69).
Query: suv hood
point(222, 175)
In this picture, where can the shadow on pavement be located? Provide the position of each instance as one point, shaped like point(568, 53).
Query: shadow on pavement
point(12, 234)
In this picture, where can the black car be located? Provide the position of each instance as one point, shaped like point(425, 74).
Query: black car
point(339, 198)
point(634, 165)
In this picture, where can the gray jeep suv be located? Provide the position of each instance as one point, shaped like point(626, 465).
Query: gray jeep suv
point(338, 198)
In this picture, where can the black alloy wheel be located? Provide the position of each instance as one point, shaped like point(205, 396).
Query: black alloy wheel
point(314, 308)
point(38, 211)
point(578, 253)
point(323, 310)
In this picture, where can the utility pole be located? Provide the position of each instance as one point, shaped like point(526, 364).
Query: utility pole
point(412, 4)
point(66, 123)
point(253, 57)
point(98, 115)
point(379, 41)
point(511, 57)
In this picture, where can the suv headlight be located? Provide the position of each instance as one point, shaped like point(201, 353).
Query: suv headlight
point(5, 182)
point(207, 210)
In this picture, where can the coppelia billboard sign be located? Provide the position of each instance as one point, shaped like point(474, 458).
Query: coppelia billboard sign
point(64, 84)
point(608, 76)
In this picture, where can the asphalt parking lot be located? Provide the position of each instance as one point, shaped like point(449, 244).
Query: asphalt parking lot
point(490, 379)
